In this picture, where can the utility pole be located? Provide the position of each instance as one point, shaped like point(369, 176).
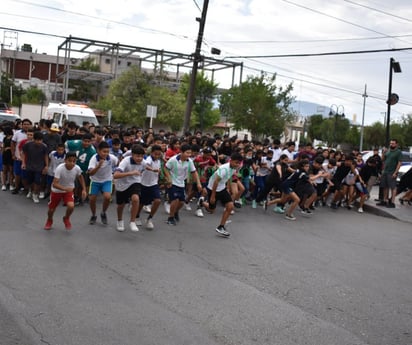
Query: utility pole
point(363, 120)
point(196, 59)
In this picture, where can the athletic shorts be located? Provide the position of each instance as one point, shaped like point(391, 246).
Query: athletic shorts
point(123, 197)
point(100, 187)
point(55, 199)
point(33, 177)
point(176, 192)
point(222, 196)
point(149, 194)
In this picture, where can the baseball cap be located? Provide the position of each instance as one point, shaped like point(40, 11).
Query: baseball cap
point(55, 127)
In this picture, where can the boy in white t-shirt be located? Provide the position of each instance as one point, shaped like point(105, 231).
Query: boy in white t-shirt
point(62, 188)
point(128, 177)
point(100, 170)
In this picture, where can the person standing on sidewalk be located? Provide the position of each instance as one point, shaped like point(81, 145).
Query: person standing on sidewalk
point(392, 162)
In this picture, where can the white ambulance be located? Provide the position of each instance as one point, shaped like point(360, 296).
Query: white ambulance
point(60, 113)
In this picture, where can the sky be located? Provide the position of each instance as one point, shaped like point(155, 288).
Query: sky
point(254, 32)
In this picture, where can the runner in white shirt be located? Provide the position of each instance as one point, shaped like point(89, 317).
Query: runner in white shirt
point(150, 183)
point(128, 177)
point(100, 169)
point(177, 170)
point(217, 190)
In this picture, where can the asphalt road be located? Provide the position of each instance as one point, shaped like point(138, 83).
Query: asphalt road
point(337, 278)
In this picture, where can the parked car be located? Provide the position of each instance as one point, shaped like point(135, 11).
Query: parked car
point(6, 113)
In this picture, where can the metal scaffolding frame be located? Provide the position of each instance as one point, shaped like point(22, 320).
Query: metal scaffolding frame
point(158, 59)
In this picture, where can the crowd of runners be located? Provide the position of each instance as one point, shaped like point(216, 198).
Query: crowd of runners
point(139, 170)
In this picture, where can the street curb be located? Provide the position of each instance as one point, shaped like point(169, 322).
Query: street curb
point(379, 212)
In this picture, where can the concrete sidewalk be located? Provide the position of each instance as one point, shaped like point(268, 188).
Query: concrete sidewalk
point(400, 212)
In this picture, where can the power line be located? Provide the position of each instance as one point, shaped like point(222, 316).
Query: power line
point(100, 18)
point(336, 18)
point(197, 5)
point(316, 41)
point(319, 54)
point(377, 10)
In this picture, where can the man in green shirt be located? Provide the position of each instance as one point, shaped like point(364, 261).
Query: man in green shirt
point(392, 161)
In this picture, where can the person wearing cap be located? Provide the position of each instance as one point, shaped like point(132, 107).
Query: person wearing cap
point(52, 138)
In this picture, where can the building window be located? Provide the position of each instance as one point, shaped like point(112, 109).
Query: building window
point(107, 61)
point(129, 63)
point(119, 63)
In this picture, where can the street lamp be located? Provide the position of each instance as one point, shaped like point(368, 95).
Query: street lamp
point(393, 98)
point(336, 111)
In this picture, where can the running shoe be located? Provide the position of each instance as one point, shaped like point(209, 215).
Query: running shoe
point(199, 213)
point(200, 202)
point(138, 222)
point(120, 226)
point(48, 224)
point(103, 218)
point(171, 221)
point(133, 227)
point(290, 217)
point(188, 207)
point(36, 199)
point(149, 224)
point(67, 224)
point(279, 209)
point(147, 208)
point(93, 220)
point(222, 231)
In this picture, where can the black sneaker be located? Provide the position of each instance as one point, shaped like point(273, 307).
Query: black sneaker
point(177, 218)
point(103, 217)
point(222, 231)
point(200, 202)
point(237, 204)
point(171, 221)
point(381, 203)
point(390, 205)
point(92, 220)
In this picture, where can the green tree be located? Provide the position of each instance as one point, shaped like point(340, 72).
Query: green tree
point(6, 84)
point(334, 130)
point(352, 136)
point(33, 95)
point(374, 135)
point(258, 105)
point(315, 127)
point(203, 114)
point(133, 91)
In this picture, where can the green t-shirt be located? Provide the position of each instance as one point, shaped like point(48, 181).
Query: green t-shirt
point(392, 157)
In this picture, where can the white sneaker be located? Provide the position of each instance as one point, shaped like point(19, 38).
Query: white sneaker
point(3, 187)
point(147, 208)
point(133, 227)
point(120, 226)
point(360, 210)
point(12, 188)
point(167, 207)
point(149, 224)
point(138, 222)
point(36, 198)
point(29, 195)
point(187, 207)
point(41, 195)
point(199, 213)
